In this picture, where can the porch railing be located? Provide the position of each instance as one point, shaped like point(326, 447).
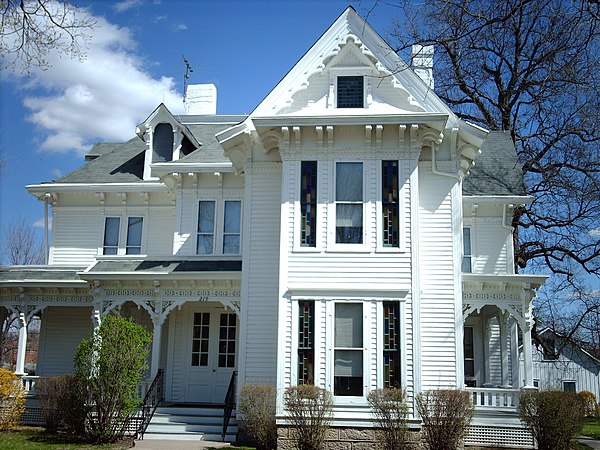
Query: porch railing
point(29, 382)
point(229, 403)
point(495, 399)
point(153, 397)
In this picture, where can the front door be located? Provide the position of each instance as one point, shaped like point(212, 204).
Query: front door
point(212, 343)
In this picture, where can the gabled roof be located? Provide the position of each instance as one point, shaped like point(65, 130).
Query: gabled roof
point(497, 170)
point(348, 28)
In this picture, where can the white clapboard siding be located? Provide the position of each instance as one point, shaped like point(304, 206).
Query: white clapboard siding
point(261, 267)
point(438, 347)
point(62, 329)
point(160, 227)
point(76, 233)
point(494, 353)
point(489, 244)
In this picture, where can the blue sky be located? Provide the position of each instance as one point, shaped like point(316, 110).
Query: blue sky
point(49, 119)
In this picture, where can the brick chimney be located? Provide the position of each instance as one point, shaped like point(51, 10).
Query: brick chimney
point(421, 62)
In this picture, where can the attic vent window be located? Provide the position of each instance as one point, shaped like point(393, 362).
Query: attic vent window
point(350, 92)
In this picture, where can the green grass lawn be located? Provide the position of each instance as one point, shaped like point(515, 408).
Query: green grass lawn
point(592, 428)
point(36, 438)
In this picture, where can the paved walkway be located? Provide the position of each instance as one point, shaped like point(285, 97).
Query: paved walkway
point(151, 444)
point(589, 441)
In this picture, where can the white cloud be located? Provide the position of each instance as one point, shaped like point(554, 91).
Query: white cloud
point(40, 223)
point(594, 233)
point(103, 97)
point(181, 27)
point(127, 4)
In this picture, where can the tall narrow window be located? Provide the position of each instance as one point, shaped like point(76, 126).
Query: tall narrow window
point(390, 204)
point(162, 143)
point(231, 227)
point(467, 256)
point(200, 339)
point(112, 226)
point(391, 345)
point(350, 92)
point(306, 342)
point(134, 235)
point(349, 203)
point(348, 350)
point(469, 355)
point(227, 329)
point(206, 227)
point(308, 203)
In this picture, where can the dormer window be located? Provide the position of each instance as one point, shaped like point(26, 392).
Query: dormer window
point(162, 143)
point(350, 92)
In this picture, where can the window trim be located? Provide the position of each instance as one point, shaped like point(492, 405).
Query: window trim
point(332, 243)
point(402, 223)
point(219, 225)
point(123, 234)
point(471, 256)
point(563, 382)
point(364, 90)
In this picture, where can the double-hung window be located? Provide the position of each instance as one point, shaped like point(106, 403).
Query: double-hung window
point(349, 203)
point(225, 216)
point(348, 349)
point(114, 236)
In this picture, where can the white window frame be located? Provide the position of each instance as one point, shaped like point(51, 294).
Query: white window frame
point(380, 339)
point(332, 243)
point(471, 228)
point(402, 187)
point(563, 382)
point(219, 226)
point(123, 231)
point(364, 93)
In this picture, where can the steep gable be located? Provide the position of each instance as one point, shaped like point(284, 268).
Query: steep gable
point(350, 47)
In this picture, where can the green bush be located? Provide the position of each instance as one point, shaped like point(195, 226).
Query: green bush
point(109, 367)
point(553, 417)
point(257, 404)
point(12, 400)
point(446, 416)
point(309, 410)
point(390, 411)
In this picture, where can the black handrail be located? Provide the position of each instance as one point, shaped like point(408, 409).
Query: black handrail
point(151, 401)
point(229, 403)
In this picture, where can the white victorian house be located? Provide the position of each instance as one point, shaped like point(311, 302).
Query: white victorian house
point(351, 232)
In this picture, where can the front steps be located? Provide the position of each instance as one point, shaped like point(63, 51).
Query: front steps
point(203, 423)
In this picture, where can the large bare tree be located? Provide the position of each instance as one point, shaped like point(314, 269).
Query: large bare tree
point(30, 29)
point(530, 67)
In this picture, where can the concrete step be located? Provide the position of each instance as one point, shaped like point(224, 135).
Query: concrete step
point(190, 423)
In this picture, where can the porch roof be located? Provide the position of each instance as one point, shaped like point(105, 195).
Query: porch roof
point(160, 269)
point(517, 280)
point(36, 275)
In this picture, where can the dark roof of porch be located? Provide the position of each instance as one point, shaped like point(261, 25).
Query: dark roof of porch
point(39, 273)
point(165, 266)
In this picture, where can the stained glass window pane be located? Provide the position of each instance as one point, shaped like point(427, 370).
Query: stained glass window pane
point(391, 344)
point(306, 329)
point(308, 203)
point(390, 204)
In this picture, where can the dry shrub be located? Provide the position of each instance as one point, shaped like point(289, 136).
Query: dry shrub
point(257, 404)
point(309, 411)
point(390, 411)
point(62, 404)
point(553, 417)
point(12, 400)
point(446, 416)
point(590, 404)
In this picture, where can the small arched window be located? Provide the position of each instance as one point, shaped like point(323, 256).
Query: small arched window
point(162, 144)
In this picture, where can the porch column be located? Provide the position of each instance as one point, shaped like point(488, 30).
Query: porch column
point(527, 357)
point(157, 321)
point(503, 322)
point(486, 353)
point(22, 349)
point(514, 354)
